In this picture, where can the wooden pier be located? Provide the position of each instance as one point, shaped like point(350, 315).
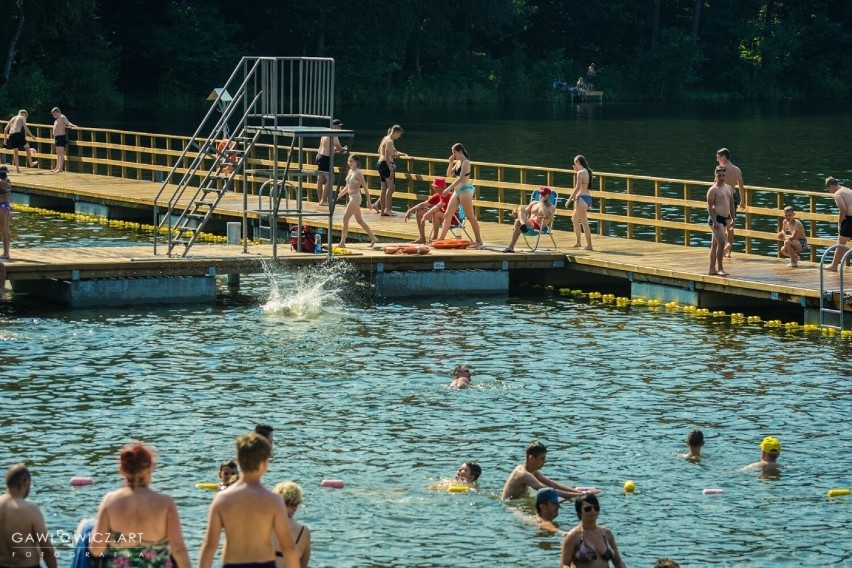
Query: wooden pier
point(649, 229)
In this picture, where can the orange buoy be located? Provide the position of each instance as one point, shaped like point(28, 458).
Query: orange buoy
point(416, 249)
point(451, 244)
point(390, 249)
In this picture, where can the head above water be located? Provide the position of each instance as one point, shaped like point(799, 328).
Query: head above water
point(584, 500)
point(265, 430)
point(770, 446)
point(17, 475)
point(695, 438)
point(291, 492)
point(469, 471)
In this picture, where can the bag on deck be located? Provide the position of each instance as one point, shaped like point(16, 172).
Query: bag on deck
point(308, 238)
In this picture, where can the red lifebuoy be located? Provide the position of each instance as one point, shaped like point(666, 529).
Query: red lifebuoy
point(451, 244)
point(416, 249)
point(224, 148)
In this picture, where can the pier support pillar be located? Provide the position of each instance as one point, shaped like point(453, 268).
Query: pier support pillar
point(234, 281)
point(437, 282)
point(120, 291)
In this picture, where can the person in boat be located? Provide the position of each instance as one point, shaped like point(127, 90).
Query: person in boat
point(589, 544)
point(734, 178)
point(461, 377)
point(249, 514)
point(432, 209)
point(720, 205)
point(528, 474)
point(792, 236)
point(461, 191)
point(532, 217)
point(24, 538)
point(137, 527)
point(293, 495)
point(582, 200)
point(770, 449)
point(354, 182)
point(328, 144)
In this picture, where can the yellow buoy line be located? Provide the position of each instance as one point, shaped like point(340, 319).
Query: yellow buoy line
point(116, 223)
point(736, 318)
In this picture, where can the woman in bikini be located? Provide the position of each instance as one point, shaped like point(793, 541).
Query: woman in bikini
point(582, 201)
point(143, 525)
point(588, 544)
point(5, 210)
point(462, 190)
point(354, 182)
point(292, 495)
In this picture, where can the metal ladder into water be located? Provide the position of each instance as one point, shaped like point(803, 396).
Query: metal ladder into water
point(837, 299)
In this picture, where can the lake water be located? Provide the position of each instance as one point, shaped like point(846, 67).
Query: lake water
point(356, 389)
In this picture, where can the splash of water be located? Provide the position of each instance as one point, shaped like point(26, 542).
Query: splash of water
point(308, 292)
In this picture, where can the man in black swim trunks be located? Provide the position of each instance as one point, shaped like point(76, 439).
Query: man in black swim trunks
point(16, 132)
point(61, 124)
point(734, 178)
point(720, 206)
point(843, 199)
point(324, 162)
point(387, 170)
point(24, 539)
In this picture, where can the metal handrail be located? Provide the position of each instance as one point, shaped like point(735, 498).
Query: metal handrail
point(830, 251)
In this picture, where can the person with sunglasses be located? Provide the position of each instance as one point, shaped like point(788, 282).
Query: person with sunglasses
point(589, 544)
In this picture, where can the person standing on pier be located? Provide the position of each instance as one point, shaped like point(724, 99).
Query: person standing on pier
point(591, 73)
point(354, 182)
point(324, 162)
point(460, 167)
point(5, 211)
point(387, 170)
point(843, 199)
point(582, 200)
point(720, 206)
point(16, 132)
point(61, 124)
point(734, 179)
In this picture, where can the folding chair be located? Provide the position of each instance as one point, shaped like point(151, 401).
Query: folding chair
point(546, 229)
point(460, 227)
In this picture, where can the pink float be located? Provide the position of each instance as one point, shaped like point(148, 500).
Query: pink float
point(335, 483)
point(81, 481)
point(713, 491)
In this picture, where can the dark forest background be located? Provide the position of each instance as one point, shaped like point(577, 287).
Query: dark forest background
point(114, 53)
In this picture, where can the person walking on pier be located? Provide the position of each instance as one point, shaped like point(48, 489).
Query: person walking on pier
point(327, 144)
point(734, 179)
point(792, 237)
point(843, 199)
point(720, 205)
point(582, 200)
point(16, 132)
point(61, 124)
point(354, 182)
point(5, 211)
point(387, 170)
point(460, 167)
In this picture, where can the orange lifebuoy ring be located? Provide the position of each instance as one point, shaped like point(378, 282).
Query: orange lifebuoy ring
point(451, 244)
point(416, 249)
point(390, 249)
point(223, 148)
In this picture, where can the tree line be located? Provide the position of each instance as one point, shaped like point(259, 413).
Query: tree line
point(105, 54)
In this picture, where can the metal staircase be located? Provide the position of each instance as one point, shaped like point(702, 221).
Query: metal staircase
point(832, 303)
point(277, 101)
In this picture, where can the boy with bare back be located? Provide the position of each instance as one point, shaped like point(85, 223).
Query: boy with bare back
point(720, 207)
point(734, 179)
point(327, 144)
point(528, 474)
point(16, 132)
point(61, 124)
point(387, 170)
point(249, 514)
point(24, 538)
point(843, 199)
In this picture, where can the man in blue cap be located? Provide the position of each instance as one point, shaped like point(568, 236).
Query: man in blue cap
point(547, 508)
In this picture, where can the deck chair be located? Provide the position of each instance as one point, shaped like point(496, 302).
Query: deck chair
point(461, 226)
point(533, 235)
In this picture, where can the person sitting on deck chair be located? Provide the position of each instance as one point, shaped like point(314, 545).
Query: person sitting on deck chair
point(432, 210)
point(532, 217)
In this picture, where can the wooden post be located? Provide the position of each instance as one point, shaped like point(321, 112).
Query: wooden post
point(687, 216)
point(629, 193)
point(658, 210)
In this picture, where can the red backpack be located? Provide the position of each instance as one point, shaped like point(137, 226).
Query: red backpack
point(308, 238)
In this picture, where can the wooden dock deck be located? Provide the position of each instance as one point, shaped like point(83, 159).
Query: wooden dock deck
point(752, 276)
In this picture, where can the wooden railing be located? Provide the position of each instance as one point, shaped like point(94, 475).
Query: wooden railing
point(662, 210)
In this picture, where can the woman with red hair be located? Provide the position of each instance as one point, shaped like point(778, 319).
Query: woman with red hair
point(136, 526)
